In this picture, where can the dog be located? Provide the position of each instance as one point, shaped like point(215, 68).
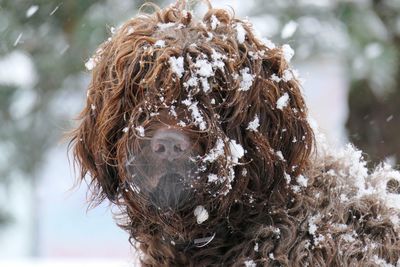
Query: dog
point(198, 132)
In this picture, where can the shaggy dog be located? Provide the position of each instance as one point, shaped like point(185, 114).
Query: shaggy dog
point(198, 132)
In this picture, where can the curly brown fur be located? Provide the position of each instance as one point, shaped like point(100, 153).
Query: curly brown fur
point(261, 212)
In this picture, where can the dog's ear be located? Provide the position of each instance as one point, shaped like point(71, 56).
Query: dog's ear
point(118, 72)
point(276, 105)
point(264, 111)
point(286, 117)
point(290, 131)
point(89, 156)
point(94, 142)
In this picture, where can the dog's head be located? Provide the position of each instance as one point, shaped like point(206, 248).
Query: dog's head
point(187, 121)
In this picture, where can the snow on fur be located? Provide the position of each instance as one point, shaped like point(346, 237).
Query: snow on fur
point(250, 263)
point(216, 152)
point(287, 52)
point(241, 33)
point(236, 150)
point(140, 131)
point(246, 80)
point(254, 124)
point(204, 68)
point(197, 117)
point(159, 43)
point(214, 22)
point(164, 26)
point(201, 214)
point(177, 65)
point(282, 101)
point(354, 172)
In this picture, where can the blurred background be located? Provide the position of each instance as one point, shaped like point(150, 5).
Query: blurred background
point(347, 52)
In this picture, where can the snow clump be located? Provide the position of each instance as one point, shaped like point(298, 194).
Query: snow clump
point(140, 131)
point(237, 151)
point(160, 43)
point(254, 124)
point(287, 52)
point(241, 33)
point(177, 65)
point(214, 22)
point(282, 101)
point(250, 263)
point(201, 214)
point(246, 79)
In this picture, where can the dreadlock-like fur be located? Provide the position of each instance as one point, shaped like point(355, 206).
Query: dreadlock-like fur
point(280, 205)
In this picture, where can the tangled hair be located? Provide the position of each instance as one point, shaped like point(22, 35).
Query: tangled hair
point(240, 104)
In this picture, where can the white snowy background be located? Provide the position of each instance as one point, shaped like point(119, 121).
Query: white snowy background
point(52, 226)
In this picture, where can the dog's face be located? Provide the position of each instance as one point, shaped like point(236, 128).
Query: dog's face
point(165, 168)
point(183, 114)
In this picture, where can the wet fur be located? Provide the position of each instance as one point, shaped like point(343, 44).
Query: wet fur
point(259, 208)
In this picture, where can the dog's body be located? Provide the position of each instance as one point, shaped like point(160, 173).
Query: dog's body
point(342, 216)
point(198, 131)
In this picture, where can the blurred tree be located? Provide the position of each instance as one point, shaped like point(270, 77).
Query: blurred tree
point(41, 46)
point(366, 35)
point(44, 45)
point(374, 100)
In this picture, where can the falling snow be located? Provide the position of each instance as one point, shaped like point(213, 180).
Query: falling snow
point(31, 11)
point(90, 64)
point(204, 68)
point(54, 10)
point(289, 29)
point(18, 40)
point(312, 227)
point(256, 247)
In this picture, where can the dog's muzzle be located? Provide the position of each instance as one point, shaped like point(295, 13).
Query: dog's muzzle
point(172, 191)
point(164, 169)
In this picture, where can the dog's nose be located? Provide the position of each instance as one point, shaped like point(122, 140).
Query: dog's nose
point(169, 144)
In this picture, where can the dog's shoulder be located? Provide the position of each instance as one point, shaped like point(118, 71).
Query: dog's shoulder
point(353, 214)
point(342, 215)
